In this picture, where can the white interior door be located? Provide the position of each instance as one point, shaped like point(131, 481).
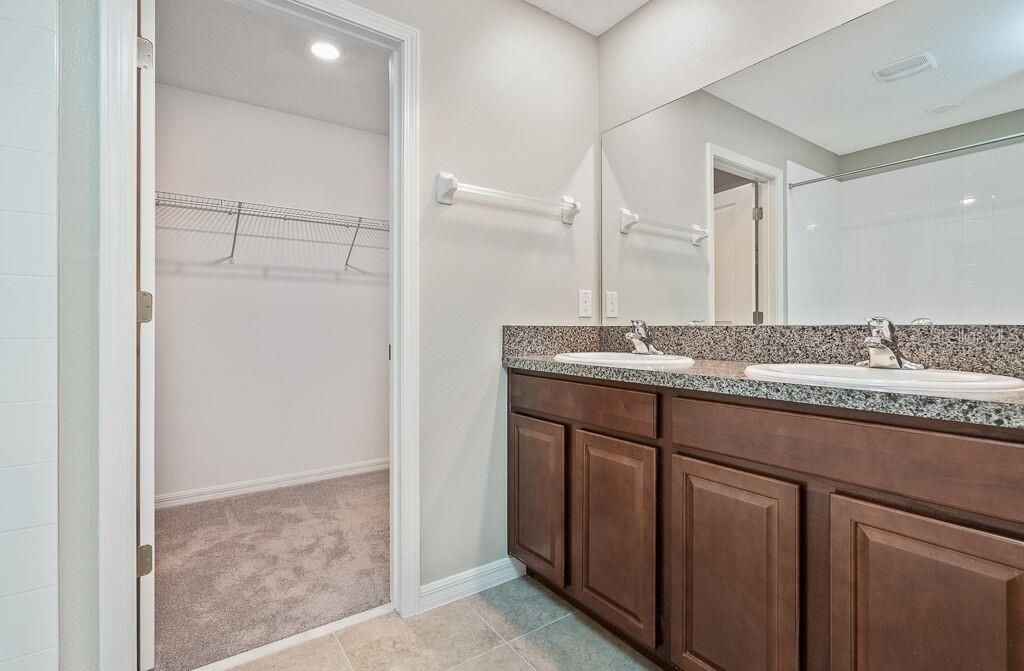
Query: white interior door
point(146, 337)
point(734, 256)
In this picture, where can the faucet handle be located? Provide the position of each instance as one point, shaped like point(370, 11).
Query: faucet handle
point(881, 327)
point(639, 327)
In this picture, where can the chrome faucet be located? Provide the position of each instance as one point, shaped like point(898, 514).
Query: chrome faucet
point(640, 336)
point(883, 347)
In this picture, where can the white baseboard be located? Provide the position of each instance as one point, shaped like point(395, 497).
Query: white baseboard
point(469, 582)
point(262, 484)
point(297, 639)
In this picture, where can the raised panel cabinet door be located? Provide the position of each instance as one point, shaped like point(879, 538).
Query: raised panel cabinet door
point(536, 487)
point(734, 575)
point(614, 544)
point(916, 594)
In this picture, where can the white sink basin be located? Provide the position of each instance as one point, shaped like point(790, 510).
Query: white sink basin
point(883, 379)
point(630, 360)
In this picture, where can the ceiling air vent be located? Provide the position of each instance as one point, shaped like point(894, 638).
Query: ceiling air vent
point(906, 67)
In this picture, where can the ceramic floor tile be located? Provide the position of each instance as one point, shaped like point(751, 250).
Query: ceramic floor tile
point(499, 659)
point(576, 643)
point(322, 654)
point(518, 607)
point(454, 633)
point(387, 643)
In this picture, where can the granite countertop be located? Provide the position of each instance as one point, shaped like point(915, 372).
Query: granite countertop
point(1005, 410)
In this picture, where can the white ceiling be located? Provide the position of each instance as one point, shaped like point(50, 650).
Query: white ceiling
point(222, 49)
point(823, 90)
point(593, 16)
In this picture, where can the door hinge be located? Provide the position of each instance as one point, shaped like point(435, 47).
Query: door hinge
point(143, 561)
point(144, 311)
point(758, 213)
point(143, 53)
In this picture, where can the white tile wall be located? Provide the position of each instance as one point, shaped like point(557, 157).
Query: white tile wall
point(28, 335)
point(811, 277)
point(944, 240)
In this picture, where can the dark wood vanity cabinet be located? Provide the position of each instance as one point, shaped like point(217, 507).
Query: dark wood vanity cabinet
point(536, 512)
point(735, 553)
point(613, 519)
point(918, 594)
point(727, 534)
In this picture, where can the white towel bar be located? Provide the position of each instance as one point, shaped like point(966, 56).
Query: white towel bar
point(448, 185)
point(627, 220)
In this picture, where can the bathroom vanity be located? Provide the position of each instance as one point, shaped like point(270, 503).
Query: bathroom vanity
point(725, 531)
point(805, 513)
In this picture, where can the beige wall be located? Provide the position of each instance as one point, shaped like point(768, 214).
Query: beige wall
point(670, 48)
point(509, 100)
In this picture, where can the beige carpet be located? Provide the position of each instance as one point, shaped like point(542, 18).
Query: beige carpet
point(238, 573)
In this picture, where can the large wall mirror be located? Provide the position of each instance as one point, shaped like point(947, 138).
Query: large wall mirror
point(875, 169)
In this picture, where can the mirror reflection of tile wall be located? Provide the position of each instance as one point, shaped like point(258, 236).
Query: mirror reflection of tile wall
point(943, 240)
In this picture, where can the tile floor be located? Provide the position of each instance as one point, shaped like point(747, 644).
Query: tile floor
point(517, 626)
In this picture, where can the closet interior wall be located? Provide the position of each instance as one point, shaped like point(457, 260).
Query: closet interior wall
point(274, 365)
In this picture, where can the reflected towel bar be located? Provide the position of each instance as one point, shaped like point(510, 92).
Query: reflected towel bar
point(448, 185)
point(627, 220)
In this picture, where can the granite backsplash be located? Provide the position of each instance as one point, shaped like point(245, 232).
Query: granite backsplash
point(983, 349)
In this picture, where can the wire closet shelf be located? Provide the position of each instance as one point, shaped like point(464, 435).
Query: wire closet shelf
point(245, 232)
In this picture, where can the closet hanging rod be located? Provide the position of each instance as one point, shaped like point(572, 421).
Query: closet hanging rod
point(913, 159)
point(262, 211)
point(448, 185)
point(627, 220)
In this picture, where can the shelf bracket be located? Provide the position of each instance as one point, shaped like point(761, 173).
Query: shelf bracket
point(234, 238)
point(355, 234)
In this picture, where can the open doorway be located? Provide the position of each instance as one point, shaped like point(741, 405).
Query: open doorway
point(265, 199)
point(129, 320)
point(743, 254)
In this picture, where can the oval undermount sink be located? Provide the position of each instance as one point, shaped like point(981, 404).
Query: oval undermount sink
point(627, 360)
point(883, 379)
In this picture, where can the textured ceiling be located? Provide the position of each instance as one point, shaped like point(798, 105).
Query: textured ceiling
point(222, 49)
point(593, 16)
point(823, 90)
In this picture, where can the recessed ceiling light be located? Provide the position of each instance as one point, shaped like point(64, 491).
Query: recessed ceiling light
point(325, 51)
point(969, 200)
point(942, 109)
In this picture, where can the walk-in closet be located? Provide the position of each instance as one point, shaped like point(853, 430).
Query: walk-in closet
point(272, 321)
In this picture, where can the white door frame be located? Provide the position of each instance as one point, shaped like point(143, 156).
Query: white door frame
point(744, 166)
point(118, 417)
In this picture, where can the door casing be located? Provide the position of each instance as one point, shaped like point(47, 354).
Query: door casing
point(126, 256)
point(770, 183)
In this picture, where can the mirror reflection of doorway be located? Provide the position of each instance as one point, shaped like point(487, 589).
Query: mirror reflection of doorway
point(742, 215)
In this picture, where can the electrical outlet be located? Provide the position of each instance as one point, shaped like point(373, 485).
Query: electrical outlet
point(611, 304)
point(586, 303)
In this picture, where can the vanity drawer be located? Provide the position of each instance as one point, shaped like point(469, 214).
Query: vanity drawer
point(634, 412)
point(972, 474)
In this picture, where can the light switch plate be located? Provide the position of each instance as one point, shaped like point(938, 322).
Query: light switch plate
point(586, 303)
point(611, 304)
